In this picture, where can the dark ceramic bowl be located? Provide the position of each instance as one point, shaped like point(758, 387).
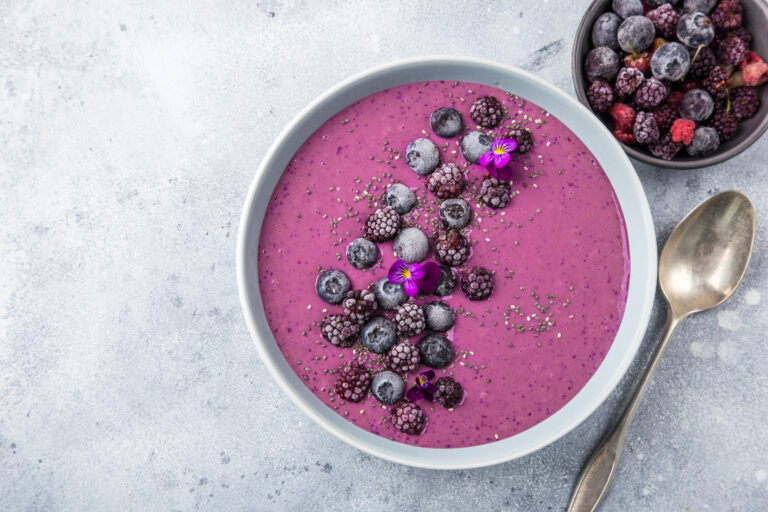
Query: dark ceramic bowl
point(755, 19)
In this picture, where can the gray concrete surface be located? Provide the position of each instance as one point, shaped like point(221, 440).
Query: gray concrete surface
point(129, 133)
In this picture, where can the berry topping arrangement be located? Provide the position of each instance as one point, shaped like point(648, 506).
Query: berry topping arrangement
point(658, 63)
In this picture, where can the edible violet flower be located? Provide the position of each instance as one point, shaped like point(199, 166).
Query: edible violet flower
point(496, 160)
point(415, 277)
point(423, 387)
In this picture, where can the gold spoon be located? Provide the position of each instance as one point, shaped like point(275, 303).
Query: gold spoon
point(701, 265)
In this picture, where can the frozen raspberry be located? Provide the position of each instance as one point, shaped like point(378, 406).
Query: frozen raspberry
point(665, 20)
point(523, 137)
point(451, 248)
point(359, 305)
point(449, 393)
point(640, 61)
point(600, 95)
point(716, 83)
point(725, 122)
point(646, 130)
point(353, 382)
point(702, 62)
point(340, 330)
point(682, 131)
point(383, 224)
point(403, 357)
point(623, 117)
point(477, 283)
point(447, 181)
point(650, 94)
point(495, 193)
point(744, 102)
point(627, 82)
point(624, 137)
point(409, 418)
point(731, 51)
point(487, 112)
point(727, 15)
point(666, 148)
point(409, 319)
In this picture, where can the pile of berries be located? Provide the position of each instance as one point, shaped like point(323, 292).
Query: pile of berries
point(674, 75)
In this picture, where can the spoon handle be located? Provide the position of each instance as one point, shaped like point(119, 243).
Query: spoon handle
point(597, 473)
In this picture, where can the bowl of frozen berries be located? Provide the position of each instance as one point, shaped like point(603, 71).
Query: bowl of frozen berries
point(680, 83)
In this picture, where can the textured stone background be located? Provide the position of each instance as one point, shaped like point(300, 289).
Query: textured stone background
point(128, 381)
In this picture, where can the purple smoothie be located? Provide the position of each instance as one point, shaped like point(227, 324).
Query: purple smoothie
point(559, 252)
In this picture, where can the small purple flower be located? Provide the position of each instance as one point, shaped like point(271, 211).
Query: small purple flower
point(415, 277)
point(496, 160)
point(423, 387)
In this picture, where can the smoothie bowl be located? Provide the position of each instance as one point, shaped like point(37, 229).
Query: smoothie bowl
point(446, 262)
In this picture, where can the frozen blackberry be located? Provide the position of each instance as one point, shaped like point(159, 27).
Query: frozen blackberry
point(359, 305)
point(401, 198)
point(635, 34)
point(438, 315)
point(378, 335)
point(447, 181)
point(704, 6)
point(477, 283)
point(744, 102)
point(727, 15)
point(665, 115)
point(409, 319)
point(725, 122)
point(601, 63)
point(600, 95)
point(695, 29)
point(455, 213)
point(451, 248)
point(744, 34)
point(474, 145)
point(446, 122)
point(627, 82)
point(665, 19)
point(646, 129)
point(650, 94)
point(495, 193)
point(388, 295)
point(705, 141)
point(487, 112)
point(627, 8)
point(666, 148)
point(340, 330)
point(387, 387)
point(403, 357)
point(523, 137)
point(696, 105)
point(449, 393)
point(716, 83)
point(670, 62)
point(702, 62)
point(731, 51)
point(332, 286)
point(422, 156)
point(447, 282)
point(382, 225)
point(411, 245)
point(409, 419)
point(605, 29)
point(436, 351)
point(362, 253)
point(353, 382)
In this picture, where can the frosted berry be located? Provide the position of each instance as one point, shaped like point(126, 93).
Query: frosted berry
point(716, 83)
point(439, 316)
point(702, 61)
point(403, 357)
point(447, 181)
point(411, 245)
point(382, 225)
point(744, 102)
point(704, 6)
point(725, 122)
point(605, 29)
point(627, 8)
point(388, 295)
point(601, 63)
point(451, 248)
point(474, 144)
point(600, 95)
point(487, 112)
point(477, 283)
point(353, 382)
point(409, 419)
point(623, 117)
point(436, 351)
point(523, 137)
point(455, 213)
point(409, 319)
point(705, 141)
point(362, 253)
point(359, 305)
point(401, 198)
point(650, 94)
point(446, 122)
point(665, 19)
point(670, 61)
point(378, 335)
point(387, 387)
point(495, 193)
point(695, 29)
point(646, 130)
point(332, 286)
point(727, 15)
point(339, 330)
point(635, 34)
point(447, 282)
point(731, 51)
point(422, 156)
point(696, 105)
point(449, 393)
point(627, 82)
point(666, 148)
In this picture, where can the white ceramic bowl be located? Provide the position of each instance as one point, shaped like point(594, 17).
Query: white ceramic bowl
point(642, 247)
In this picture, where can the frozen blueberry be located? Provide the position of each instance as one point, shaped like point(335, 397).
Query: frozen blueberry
point(438, 316)
point(387, 387)
point(659, 3)
point(635, 34)
point(378, 335)
point(411, 245)
point(447, 282)
point(436, 351)
point(696, 105)
point(332, 286)
point(694, 29)
point(455, 213)
point(401, 198)
point(604, 30)
point(362, 253)
point(704, 6)
point(705, 141)
point(602, 63)
point(474, 144)
point(388, 295)
point(446, 122)
point(670, 62)
point(627, 8)
point(422, 156)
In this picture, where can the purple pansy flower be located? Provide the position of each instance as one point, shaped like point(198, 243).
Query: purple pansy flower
point(423, 387)
point(415, 277)
point(496, 160)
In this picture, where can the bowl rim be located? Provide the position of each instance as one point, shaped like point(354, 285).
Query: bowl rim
point(640, 235)
point(583, 37)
